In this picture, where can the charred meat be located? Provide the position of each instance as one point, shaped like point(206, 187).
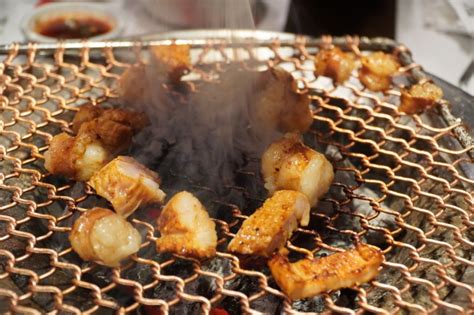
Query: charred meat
point(113, 127)
point(132, 120)
point(268, 229)
point(309, 277)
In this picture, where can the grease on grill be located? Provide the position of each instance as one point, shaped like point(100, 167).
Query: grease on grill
point(68, 27)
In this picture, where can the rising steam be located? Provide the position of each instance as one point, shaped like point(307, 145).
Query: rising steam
point(206, 133)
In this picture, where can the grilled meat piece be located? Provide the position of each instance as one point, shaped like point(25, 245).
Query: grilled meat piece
point(172, 60)
point(113, 127)
point(85, 113)
point(76, 157)
point(377, 70)
point(268, 229)
point(186, 228)
point(309, 277)
point(419, 97)
point(113, 136)
point(131, 120)
point(289, 164)
point(127, 185)
point(101, 134)
point(105, 237)
point(335, 63)
point(278, 106)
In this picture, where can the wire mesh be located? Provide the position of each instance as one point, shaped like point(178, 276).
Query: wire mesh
point(400, 184)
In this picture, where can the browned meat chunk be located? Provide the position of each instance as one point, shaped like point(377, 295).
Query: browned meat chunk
point(113, 127)
point(377, 71)
point(186, 228)
point(309, 277)
point(335, 63)
point(420, 97)
point(270, 226)
point(101, 134)
point(127, 184)
point(75, 157)
point(132, 120)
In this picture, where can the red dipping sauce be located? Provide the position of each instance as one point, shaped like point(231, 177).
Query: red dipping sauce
point(77, 27)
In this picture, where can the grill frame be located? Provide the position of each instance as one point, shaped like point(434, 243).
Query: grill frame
point(19, 301)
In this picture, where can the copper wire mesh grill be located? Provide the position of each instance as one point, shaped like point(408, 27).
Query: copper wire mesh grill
point(399, 184)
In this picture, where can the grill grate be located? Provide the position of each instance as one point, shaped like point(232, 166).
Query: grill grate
point(400, 184)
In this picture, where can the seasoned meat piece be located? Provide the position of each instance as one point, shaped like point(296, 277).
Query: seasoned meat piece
point(377, 70)
point(309, 277)
point(270, 226)
point(172, 60)
point(101, 134)
point(60, 158)
point(335, 63)
point(127, 185)
point(75, 157)
point(114, 137)
point(105, 237)
point(419, 97)
point(113, 127)
point(278, 106)
point(186, 228)
point(289, 164)
point(87, 113)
